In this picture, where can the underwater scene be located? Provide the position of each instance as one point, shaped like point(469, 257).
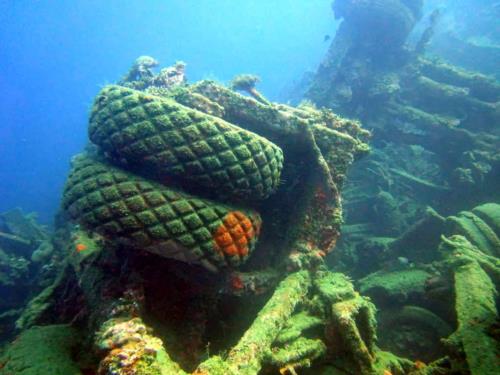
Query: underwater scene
point(250, 187)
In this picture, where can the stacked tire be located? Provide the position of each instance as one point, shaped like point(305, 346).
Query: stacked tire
point(146, 140)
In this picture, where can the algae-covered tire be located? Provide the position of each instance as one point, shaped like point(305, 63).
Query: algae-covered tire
point(412, 331)
point(168, 138)
point(150, 216)
point(480, 232)
point(490, 213)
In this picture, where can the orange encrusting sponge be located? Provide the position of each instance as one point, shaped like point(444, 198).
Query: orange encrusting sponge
point(235, 233)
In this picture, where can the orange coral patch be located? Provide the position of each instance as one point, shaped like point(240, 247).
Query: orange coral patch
point(237, 283)
point(231, 219)
point(247, 225)
point(224, 239)
point(233, 236)
point(80, 247)
point(237, 231)
point(242, 242)
point(231, 250)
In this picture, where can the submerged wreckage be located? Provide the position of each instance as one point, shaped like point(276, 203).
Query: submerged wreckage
point(195, 224)
point(202, 220)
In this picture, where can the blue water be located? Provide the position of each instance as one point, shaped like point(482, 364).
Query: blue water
point(54, 56)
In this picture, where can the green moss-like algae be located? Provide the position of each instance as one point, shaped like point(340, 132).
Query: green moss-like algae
point(297, 324)
point(476, 314)
point(490, 213)
point(40, 304)
point(246, 357)
point(42, 351)
point(476, 230)
point(300, 352)
point(396, 283)
point(386, 361)
point(171, 139)
point(475, 306)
